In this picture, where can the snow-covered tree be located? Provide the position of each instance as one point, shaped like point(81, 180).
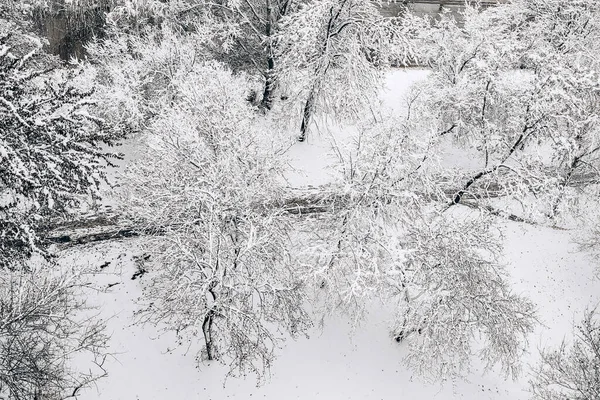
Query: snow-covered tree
point(133, 73)
point(240, 34)
point(207, 184)
point(390, 236)
point(52, 159)
point(517, 85)
point(452, 289)
point(332, 55)
point(248, 31)
point(572, 371)
point(52, 146)
point(45, 329)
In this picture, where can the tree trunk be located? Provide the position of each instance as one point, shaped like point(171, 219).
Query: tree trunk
point(207, 331)
point(307, 115)
point(267, 99)
point(320, 71)
point(563, 186)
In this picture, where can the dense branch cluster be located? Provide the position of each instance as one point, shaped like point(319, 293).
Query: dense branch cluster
point(571, 371)
point(51, 161)
point(51, 148)
point(43, 328)
point(532, 137)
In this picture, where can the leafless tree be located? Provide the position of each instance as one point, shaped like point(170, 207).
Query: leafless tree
point(572, 371)
point(45, 329)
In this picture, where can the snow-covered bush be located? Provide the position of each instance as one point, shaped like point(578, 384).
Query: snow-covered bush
point(135, 74)
point(52, 146)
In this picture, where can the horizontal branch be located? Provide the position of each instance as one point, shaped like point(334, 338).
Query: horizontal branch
point(499, 213)
point(112, 225)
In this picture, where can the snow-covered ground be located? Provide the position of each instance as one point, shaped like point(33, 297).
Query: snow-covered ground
point(335, 363)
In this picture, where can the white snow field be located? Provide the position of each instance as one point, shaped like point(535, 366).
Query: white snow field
point(335, 363)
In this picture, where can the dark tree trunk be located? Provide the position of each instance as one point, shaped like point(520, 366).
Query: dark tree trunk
point(520, 142)
point(321, 68)
point(267, 99)
point(207, 331)
point(307, 115)
point(207, 325)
